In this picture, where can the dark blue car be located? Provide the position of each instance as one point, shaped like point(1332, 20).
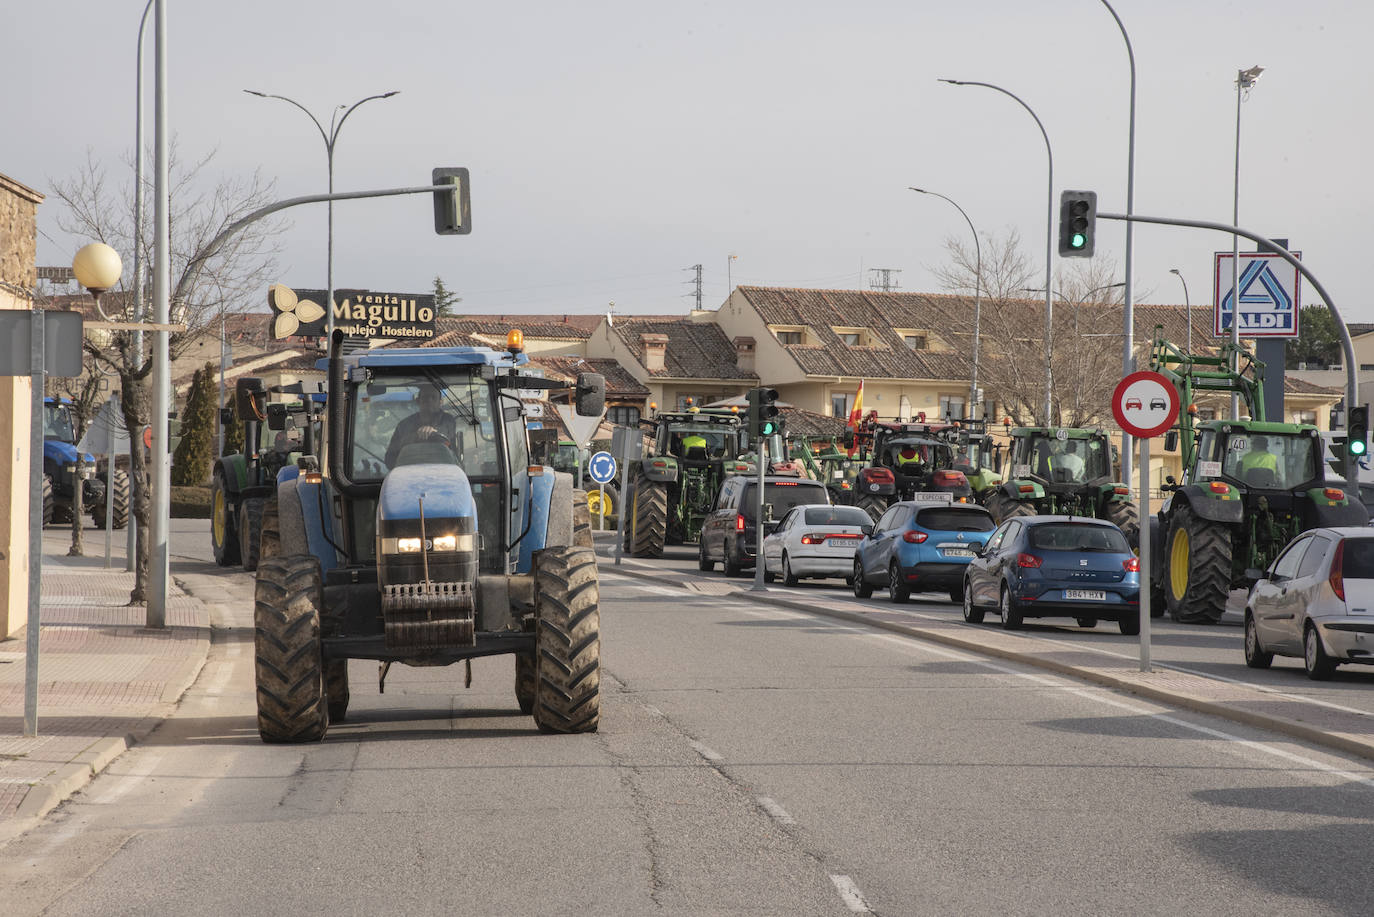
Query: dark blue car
point(1055, 566)
point(920, 547)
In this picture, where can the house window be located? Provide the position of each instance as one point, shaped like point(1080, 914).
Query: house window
point(1364, 367)
point(841, 403)
point(789, 337)
point(952, 406)
point(1305, 417)
point(915, 341)
point(851, 338)
point(689, 401)
point(623, 415)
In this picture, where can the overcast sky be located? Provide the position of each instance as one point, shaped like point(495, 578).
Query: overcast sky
point(614, 143)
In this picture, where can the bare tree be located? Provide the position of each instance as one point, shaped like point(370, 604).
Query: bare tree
point(229, 280)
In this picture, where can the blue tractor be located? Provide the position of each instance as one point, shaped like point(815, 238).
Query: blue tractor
point(67, 489)
point(426, 537)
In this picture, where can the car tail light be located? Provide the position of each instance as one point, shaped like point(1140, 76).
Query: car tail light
point(739, 522)
point(881, 476)
point(1334, 494)
point(1220, 487)
point(813, 538)
point(950, 478)
point(914, 537)
point(1132, 564)
point(1028, 560)
point(1337, 577)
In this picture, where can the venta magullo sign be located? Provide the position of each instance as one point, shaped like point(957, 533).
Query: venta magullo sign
point(357, 313)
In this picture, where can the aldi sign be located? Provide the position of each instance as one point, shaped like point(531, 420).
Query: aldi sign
point(1270, 295)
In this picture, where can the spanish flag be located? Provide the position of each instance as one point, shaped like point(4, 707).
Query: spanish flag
point(856, 413)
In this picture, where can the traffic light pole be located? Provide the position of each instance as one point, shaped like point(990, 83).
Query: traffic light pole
point(1352, 388)
point(758, 519)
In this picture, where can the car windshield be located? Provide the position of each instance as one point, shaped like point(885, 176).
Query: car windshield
point(943, 519)
point(779, 497)
point(837, 515)
point(441, 416)
point(1359, 558)
point(1273, 461)
point(1064, 460)
point(57, 423)
point(1076, 536)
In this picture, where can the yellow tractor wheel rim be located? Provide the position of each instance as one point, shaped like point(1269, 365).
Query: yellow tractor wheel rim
point(1178, 565)
point(594, 502)
point(218, 517)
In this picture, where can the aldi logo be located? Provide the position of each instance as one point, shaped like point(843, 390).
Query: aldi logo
point(1270, 295)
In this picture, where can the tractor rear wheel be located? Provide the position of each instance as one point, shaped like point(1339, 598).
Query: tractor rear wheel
point(874, 506)
point(526, 677)
point(291, 681)
point(568, 641)
point(1003, 507)
point(1197, 568)
point(47, 500)
point(649, 520)
point(224, 537)
point(269, 542)
point(336, 689)
point(1125, 515)
point(582, 520)
point(250, 531)
point(120, 500)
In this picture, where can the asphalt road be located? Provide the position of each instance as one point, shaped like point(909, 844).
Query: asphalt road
point(751, 760)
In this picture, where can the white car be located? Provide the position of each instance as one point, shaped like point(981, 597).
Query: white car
point(1315, 601)
point(815, 540)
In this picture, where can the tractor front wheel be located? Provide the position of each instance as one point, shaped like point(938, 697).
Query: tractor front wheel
point(1197, 568)
point(224, 537)
point(649, 520)
point(250, 531)
point(293, 702)
point(874, 506)
point(1125, 515)
point(120, 501)
point(567, 641)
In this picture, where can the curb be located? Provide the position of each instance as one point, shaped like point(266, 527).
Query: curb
point(1297, 729)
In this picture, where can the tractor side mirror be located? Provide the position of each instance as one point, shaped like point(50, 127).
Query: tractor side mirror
point(226, 416)
point(1169, 479)
point(591, 394)
point(276, 416)
point(250, 399)
point(1171, 441)
point(848, 439)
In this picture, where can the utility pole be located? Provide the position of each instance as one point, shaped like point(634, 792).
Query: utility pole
point(696, 282)
point(884, 281)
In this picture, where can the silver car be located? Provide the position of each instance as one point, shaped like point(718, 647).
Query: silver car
point(1315, 601)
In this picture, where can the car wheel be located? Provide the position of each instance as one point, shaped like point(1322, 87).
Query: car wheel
point(1255, 656)
point(727, 562)
point(861, 589)
point(788, 577)
point(897, 589)
point(1319, 665)
point(971, 615)
point(1087, 622)
point(956, 594)
point(1129, 622)
point(704, 563)
point(1011, 615)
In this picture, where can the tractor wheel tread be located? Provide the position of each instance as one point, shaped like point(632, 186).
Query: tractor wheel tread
point(649, 519)
point(567, 691)
point(292, 682)
point(250, 531)
point(1208, 582)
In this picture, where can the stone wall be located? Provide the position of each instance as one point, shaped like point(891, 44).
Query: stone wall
point(18, 268)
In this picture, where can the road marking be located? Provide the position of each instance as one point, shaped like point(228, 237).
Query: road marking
point(775, 811)
point(850, 895)
point(709, 754)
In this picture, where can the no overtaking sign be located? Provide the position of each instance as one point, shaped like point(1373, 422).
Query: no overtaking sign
point(1145, 404)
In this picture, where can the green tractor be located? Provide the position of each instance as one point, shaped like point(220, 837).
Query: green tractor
point(823, 459)
point(1249, 487)
point(1068, 471)
point(675, 484)
point(978, 456)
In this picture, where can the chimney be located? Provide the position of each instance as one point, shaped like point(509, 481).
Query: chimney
point(744, 354)
point(655, 348)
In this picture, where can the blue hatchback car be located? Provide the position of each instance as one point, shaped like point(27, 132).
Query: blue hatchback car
point(1053, 566)
point(921, 547)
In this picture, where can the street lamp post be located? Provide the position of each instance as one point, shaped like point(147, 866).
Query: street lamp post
point(330, 137)
point(977, 297)
point(1187, 307)
point(1245, 79)
point(1049, 242)
point(132, 547)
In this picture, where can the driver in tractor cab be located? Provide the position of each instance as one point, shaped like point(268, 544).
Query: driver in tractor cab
point(1258, 460)
point(429, 424)
point(1065, 463)
point(692, 441)
point(909, 460)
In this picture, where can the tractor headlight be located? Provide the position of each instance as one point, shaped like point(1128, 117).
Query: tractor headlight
point(70, 469)
point(408, 545)
point(446, 543)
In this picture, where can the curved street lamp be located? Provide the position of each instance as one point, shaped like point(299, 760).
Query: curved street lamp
point(330, 137)
point(1187, 307)
point(1049, 241)
point(977, 297)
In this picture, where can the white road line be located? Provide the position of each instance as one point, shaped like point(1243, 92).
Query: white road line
point(850, 895)
point(709, 754)
point(775, 811)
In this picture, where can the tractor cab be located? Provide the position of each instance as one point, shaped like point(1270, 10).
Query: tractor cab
point(1077, 457)
point(1259, 456)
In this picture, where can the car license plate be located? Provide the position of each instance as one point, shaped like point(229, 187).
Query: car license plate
point(956, 552)
point(1090, 595)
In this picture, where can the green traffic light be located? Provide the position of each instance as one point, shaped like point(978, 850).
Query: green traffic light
point(768, 428)
point(1358, 447)
point(1078, 240)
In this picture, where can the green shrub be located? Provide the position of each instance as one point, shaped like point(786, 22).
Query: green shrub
point(191, 461)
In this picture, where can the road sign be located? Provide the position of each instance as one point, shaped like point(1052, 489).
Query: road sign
point(106, 434)
point(1145, 404)
point(62, 336)
point(1270, 295)
point(601, 468)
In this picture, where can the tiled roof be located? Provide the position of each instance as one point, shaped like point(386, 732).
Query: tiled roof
point(619, 383)
point(801, 422)
point(695, 350)
point(1358, 328)
point(878, 313)
point(534, 330)
point(579, 321)
point(1295, 386)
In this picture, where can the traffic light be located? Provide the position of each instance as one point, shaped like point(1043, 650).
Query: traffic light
point(765, 421)
point(452, 209)
point(1077, 223)
point(1357, 433)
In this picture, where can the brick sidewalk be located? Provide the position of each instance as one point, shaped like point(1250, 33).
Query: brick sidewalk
point(104, 682)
